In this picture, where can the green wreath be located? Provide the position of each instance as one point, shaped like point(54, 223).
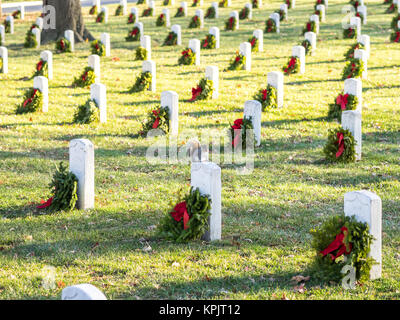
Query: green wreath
point(33, 101)
point(230, 24)
point(132, 18)
point(93, 10)
point(133, 35)
point(7, 26)
point(350, 53)
point(63, 45)
point(254, 43)
point(141, 53)
point(244, 13)
point(87, 113)
point(292, 67)
point(197, 210)
point(270, 26)
point(343, 151)
point(101, 17)
point(17, 14)
point(310, 26)
point(392, 8)
point(282, 14)
point(243, 125)
point(161, 21)
point(179, 12)
point(223, 4)
point(119, 11)
point(167, 2)
point(171, 39)
point(41, 69)
point(357, 240)
point(394, 22)
point(195, 3)
point(307, 46)
point(203, 91)
point(318, 13)
point(353, 69)
point(289, 3)
point(349, 33)
point(142, 83)
point(87, 78)
point(147, 12)
point(237, 62)
point(156, 119)
point(209, 42)
point(30, 39)
point(97, 47)
point(194, 22)
point(255, 4)
point(140, 2)
point(210, 14)
point(395, 37)
point(335, 109)
point(267, 97)
point(188, 57)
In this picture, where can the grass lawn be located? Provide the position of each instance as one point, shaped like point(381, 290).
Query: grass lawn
point(267, 214)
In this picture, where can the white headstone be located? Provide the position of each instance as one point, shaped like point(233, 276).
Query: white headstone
point(366, 206)
point(70, 36)
point(284, 8)
point(140, 26)
point(354, 87)
point(275, 16)
point(98, 93)
point(194, 44)
point(355, 23)
point(10, 19)
point(207, 177)
point(215, 6)
point(145, 42)
point(312, 38)
point(351, 120)
point(293, 4)
point(365, 41)
point(229, 3)
point(94, 63)
point(253, 109)
point(250, 7)
point(170, 99)
point(213, 75)
point(315, 18)
point(124, 5)
point(82, 292)
point(300, 52)
point(321, 9)
point(22, 9)
point(150, 66)
point(4, 56)
point(235, 14)
point(39, 22)
point(136, 13)
point(97, 4)
point(184, 6)
point(105, 10)
point(3, 35)
point(42, 83)
point(258, 33)
point(152, 5)
point(362, 55)
point(176, 28)
point(200, 14)
point(275, 79)
point(81, 164)
point(48, 57)
point(363, 10)
point(37, 33)
point(245, 49)
point(105, 40)
point(215, 32)
point(165, 12)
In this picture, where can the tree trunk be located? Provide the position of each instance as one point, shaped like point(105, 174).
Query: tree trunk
point(68, 17)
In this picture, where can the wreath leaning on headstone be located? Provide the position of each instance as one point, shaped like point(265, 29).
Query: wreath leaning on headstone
point(395, 36)
point(189, 218)
point(340, 146)
point(392, 8)
point(341, 241)
point(133, 35)
point(41, 69)
point(93, 10)
point(237, 62)
point(238, 132)
point(16, 14)
point(292, 67)
point(141, 53)
point(7, 26)
point(223, 4)
point(209, 42)
point(195, 3)
point(131, 18)
point(255, 4)
point(350, 53)
point(203, 90)
point(30, 38)
point(180, 12)
point(349, 33)
point(267, 97)
point(97, 47)
point(171, 39)
point(289, 4)
point(63, 45)
point(282, 14)
point(161, 21)
point(167, 2)
point(307, 46)
point(33, 101)
point(353, 69)
point(230, 24)
point(119, 11)
point(210, 13)
point(270, 26)
point(87, 78)
point(194, 22)
point(156, 119)
point(101, 17)
point(343, 102)
point(395, 21)
point(188, 57)
point(87, 113)
point(142, 83)
point(244, 13)
point(254, 43)
point(147, 12)
point(310, 26)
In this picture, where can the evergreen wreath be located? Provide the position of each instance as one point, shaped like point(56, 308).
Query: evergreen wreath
point(209, 42)
point(307, 46)
point(340, 241)
point(33, 101)
point(360, 15)
point(140, 2)
point(239, 131)
point(203, 91)
point(340, 146)
point(392, 8)
point(289, 3)
point(195, 3)
point(97, 47)
point(156, 119)
point(255, 4)
point(293, 66)
point(147, 12)
point(142, 83)
point(244, 13)
point(167, 2)
point(87, 113)
point(30, 38)
point(355, 3)
point(395, 37)
point(310, 26)
point(349, 33)
point(210, 14)
point(254, 43)
point(282, 14)
point(133, 35)
point(318, 13)
point(63, 45)
point(267, 97)
point(41, 69)
point(161, 21)
point(270, 26)
point(132, 18)
point(237, 62)
point(119, 11)
point(194, 22)
point(189, 218)
point(223, 4)
point(230, 24)
point(87, 78)
point(7, 26)
point(64, 188)
point(171, 39)
point(350, 53)
point(93, 10)
point(353, 69)
point(343, 102)
point(16, 14)
point(188, 57)
point(395, 21)
point(180, 12)
point(141, 53)
point(101, 17)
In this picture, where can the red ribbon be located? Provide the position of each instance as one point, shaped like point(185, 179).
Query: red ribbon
point(205, 43)
point(39, 65)
point(134, 32)
point(308, 26)
point(237, 127)
point(340, 143)
point(230, 22)
point(338, 244)
point(45, 204)
point(180, 211)
point(196, 92)
point(397, 36)
point(29, 100)
point(253, 41)
point(157, 121)
point(342, 100)
point(264, 93)
point(291, 64)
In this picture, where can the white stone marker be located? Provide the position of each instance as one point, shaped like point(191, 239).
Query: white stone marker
point(105, 40)
point(245, 49)
point(366, 206)
point(355, 23)
point(293, 4)
point(215, 32)
point(200, 14)
point(315, 18)
point(215, 6)
point(207, 177)
point(321, 9)
point(253, 109)
point(3, 35)
point(94, 63)
point(82, 292)
point(145, 42)
point(250, 7)
point(194, 44)
point(22, 9)
point(42, 83)
point(170, 99)
point(4, 56)
point(229, 3)
point(300, 52)
point(351, 120)
point(105, 10)
point(98, 93)
point(37, 33)
point(97, 4)
point(365, 41)
point(176, 28)
point(10, 19)
point(362, 55)
point(236, 15)
point(275, 79)
point(363, 10)
point(140, 26)
point(48, 57)
point(276, 17)
point(150, 66)
point(312, 38)
point(152, 5)
point(81, 164)
point(70, 36)
point(136, 13)
point(354, 87)
point(258, 33)
point(39, 22)
point(284, 8)
point(184, 6)
point(124, 5)
point(213, 75)
point(165, 12)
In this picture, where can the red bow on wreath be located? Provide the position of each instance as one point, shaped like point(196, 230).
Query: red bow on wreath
point(180, 211)
point(340, 143)
point(84, 77)
point(237, 125)
point(264, 93)
point(291, 64)
point(157, 121)
point(134, 32)
point(397, 36)
point(230, 22)
point(39, 65)
point(253, 41)
point(62, 44)
point(196, 92)
point(185, 52)
point(341, 100)
point(338, 244)
point(29, 100)
point(45, 204)
point(308, 26)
